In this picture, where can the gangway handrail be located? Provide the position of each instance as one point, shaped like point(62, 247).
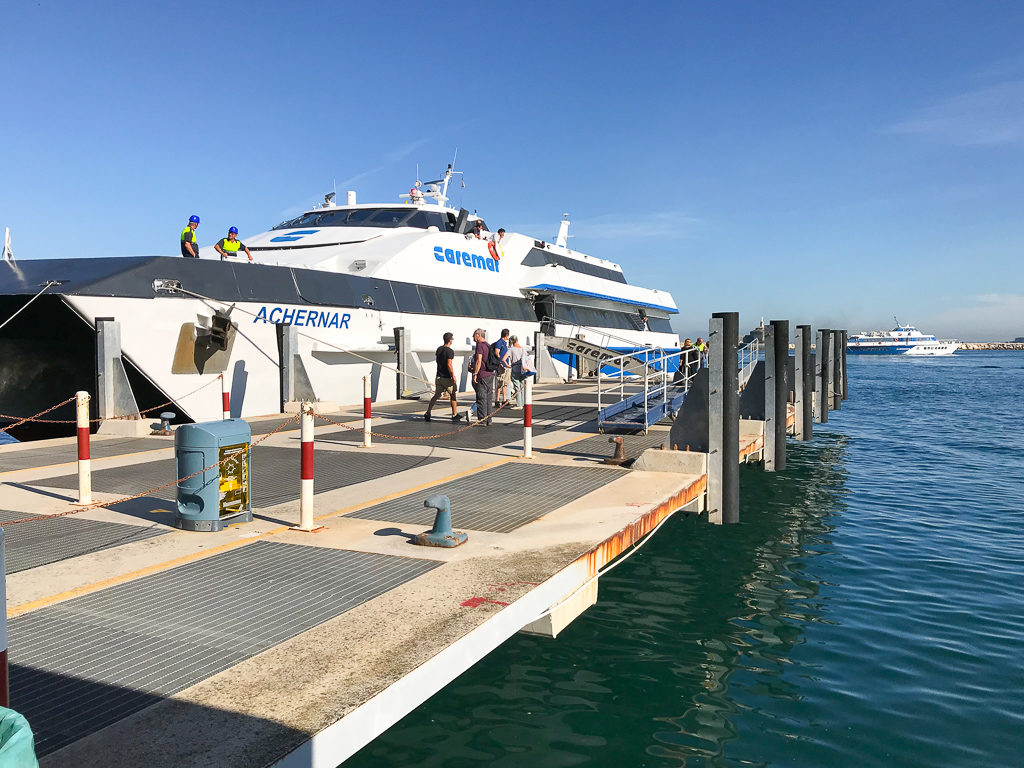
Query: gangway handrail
point(748, 356)
point(600, 332)
point(688, 359)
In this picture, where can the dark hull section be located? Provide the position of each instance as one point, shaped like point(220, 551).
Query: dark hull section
point(47, 353)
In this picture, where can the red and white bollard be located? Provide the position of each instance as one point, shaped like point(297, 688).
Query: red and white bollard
point(366, 412)
point(306, 472)
point(5, 685)
point(84, 464)
point(225, 398)
point(528, 417)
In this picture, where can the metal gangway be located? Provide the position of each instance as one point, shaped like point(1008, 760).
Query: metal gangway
point(664, 384)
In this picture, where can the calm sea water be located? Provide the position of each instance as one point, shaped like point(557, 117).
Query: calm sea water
point(867, 611)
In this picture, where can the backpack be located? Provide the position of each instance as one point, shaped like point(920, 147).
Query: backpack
point(493, 362)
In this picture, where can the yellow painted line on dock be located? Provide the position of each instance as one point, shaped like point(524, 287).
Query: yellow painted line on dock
point(151, 450)
point(193, 556)
point(422, 486)
point(95, 586)
point(75, 461)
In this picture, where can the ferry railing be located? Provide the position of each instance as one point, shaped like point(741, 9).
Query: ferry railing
point(600, 337)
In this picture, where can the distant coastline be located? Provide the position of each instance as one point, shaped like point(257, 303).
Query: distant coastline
point(987, 345)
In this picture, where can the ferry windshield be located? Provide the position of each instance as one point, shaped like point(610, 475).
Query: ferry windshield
point(388, 218)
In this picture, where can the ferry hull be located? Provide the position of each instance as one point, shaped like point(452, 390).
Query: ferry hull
point(934, 350)
point(54, 341)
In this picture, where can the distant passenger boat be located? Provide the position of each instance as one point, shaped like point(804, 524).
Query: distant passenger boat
point(901, 340)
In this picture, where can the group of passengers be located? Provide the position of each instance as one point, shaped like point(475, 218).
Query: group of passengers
point(494, 247)
point(498, 372)
point(692, 356)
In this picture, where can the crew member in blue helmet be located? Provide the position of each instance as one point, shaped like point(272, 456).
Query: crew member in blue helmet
point(229, 246)
point(189, 244)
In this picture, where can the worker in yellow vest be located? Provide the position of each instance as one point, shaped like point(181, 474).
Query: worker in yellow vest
point(189, 246)
point(229, 246)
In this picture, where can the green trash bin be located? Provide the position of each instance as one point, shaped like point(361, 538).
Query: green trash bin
point(17, 747)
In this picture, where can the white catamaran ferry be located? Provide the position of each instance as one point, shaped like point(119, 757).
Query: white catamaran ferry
point(901, 340)
point(340, 278)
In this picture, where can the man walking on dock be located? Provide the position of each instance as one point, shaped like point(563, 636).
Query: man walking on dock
point(189, 245)
point(444, 382)
point(483, 379)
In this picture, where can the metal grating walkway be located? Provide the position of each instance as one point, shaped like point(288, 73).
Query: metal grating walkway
point(41, 542)
point(423, 433)
point(499, 499)
point(81, 665)
point(275, 473)
point(31, 458)
point(607, 397)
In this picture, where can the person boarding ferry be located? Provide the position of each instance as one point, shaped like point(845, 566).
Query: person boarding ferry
point(189, 246)
point(228, 246)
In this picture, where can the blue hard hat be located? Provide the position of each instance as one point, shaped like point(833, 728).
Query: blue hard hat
point(233, 231)
point(193, 219)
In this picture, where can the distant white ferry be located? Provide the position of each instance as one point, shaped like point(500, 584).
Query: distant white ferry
point(901, 340)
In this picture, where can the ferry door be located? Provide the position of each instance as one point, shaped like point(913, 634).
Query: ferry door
point(544, 307)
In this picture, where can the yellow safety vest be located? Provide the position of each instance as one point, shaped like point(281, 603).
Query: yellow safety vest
point(231, 246)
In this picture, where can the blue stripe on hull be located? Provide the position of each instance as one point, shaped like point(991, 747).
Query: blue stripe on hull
point(879, 350)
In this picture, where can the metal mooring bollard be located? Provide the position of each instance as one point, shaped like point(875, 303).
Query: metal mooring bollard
point(441, 535)
point(620, 452)
point(165, 423)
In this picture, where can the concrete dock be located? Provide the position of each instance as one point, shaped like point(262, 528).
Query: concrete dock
point(134, 643)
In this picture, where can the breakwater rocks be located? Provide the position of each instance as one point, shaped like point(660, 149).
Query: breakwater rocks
point(981, 345)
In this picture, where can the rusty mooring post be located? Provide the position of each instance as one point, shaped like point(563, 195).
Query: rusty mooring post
point(620, 452)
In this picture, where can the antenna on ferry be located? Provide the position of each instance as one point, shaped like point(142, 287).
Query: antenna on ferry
point(8, 253)
point(562, 238)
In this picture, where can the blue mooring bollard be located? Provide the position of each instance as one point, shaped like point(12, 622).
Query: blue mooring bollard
point(441, 535)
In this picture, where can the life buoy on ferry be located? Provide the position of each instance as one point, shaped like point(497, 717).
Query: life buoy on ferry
point(493, 251)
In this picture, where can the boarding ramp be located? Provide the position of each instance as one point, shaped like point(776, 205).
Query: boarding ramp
point(662, 393)
point(596, 357)
point(666, 378)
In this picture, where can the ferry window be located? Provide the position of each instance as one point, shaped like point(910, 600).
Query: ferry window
point(389, 217)
point(449, 302)
point(424, 219)
point(538, 257)
point(358, 217)
point(659, 324)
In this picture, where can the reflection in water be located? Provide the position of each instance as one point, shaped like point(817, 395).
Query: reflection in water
point(689, 643)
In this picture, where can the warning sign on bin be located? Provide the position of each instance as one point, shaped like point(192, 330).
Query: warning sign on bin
point(234, 479)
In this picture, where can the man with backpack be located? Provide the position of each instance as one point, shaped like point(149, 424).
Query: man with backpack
point(504, 370)
point(482, 368)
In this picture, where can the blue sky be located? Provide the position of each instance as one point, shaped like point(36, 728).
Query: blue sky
point(833, 163)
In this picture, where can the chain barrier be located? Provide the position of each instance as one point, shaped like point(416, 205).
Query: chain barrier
point(98, 504)
point(37, 420)
point(19, 421)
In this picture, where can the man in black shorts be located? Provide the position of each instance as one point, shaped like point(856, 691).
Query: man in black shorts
point(445, 381)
